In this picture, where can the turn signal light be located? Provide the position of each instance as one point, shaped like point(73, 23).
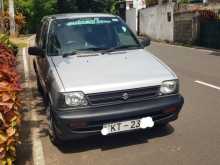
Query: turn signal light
point(76, 125)
point(170, 110)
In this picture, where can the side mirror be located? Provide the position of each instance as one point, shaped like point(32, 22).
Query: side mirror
point(35, 51)
point(145, 41)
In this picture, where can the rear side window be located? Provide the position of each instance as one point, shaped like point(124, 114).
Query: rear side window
point(53, 46)
point(43, 36)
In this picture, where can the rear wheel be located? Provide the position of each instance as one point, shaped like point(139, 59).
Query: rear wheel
point(39, 87)
point(41, 91)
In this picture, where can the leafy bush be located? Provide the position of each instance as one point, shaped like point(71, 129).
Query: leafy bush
point(20, 22)
point(9, 106)
point(4, 40)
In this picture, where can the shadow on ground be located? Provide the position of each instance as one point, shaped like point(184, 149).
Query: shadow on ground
point(115, 141)
point(31, 101)
point(215, 53)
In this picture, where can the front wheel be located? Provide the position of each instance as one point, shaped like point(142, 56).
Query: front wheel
point(51, 128)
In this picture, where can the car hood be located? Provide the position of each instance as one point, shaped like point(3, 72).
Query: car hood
point(94, 73)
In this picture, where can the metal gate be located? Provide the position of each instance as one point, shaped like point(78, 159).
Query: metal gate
point(209, 29)
point(210, 34)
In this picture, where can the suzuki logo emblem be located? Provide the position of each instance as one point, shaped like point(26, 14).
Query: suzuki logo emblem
point(125, 96)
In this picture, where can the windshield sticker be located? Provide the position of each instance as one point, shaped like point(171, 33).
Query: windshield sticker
point(115, 20)
point(92, 21)
point(124, 29)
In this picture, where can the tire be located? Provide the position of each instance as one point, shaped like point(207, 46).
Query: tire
point(39, 87)
point(51, 128)
point(41, 91)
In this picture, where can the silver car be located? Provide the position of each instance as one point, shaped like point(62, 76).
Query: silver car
point(97, 78)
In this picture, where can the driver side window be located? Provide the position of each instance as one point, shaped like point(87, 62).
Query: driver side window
point(54, 46)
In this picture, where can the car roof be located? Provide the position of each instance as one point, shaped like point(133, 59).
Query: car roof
point(77, 15)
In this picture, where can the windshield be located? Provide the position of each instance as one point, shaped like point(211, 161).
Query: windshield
point(89, 34)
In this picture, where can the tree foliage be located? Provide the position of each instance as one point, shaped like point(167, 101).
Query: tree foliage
point(84, 5)
point(34, 10)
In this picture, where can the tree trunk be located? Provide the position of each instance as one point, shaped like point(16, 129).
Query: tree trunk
point(12, 17)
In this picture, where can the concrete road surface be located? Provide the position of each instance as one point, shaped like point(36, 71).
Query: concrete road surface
point(193, 139)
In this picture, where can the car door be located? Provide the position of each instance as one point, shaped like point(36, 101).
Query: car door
point(42, 62)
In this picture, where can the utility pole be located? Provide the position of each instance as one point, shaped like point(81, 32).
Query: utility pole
point(1, 6)
point(205, 2)
point(1, 16)
point(12, 17)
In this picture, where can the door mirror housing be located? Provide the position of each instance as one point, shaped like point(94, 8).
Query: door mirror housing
point(35, 51)
point(145, 41)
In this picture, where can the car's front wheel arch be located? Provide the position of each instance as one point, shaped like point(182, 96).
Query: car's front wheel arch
point(52, 126)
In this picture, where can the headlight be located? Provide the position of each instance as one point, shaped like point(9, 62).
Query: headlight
point(75, 99)
point(169, 87)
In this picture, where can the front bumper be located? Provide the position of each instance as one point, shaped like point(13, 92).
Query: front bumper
point(82, 123)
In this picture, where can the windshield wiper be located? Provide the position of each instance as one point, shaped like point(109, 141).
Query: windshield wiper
point(74, 52)
point(119, 47)
point(92, 49)
point(102, 50)
point(70, 54)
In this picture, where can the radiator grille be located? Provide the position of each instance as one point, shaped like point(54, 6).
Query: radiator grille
point(123, 95)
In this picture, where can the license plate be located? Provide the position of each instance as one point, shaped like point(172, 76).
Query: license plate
point(112, 128)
